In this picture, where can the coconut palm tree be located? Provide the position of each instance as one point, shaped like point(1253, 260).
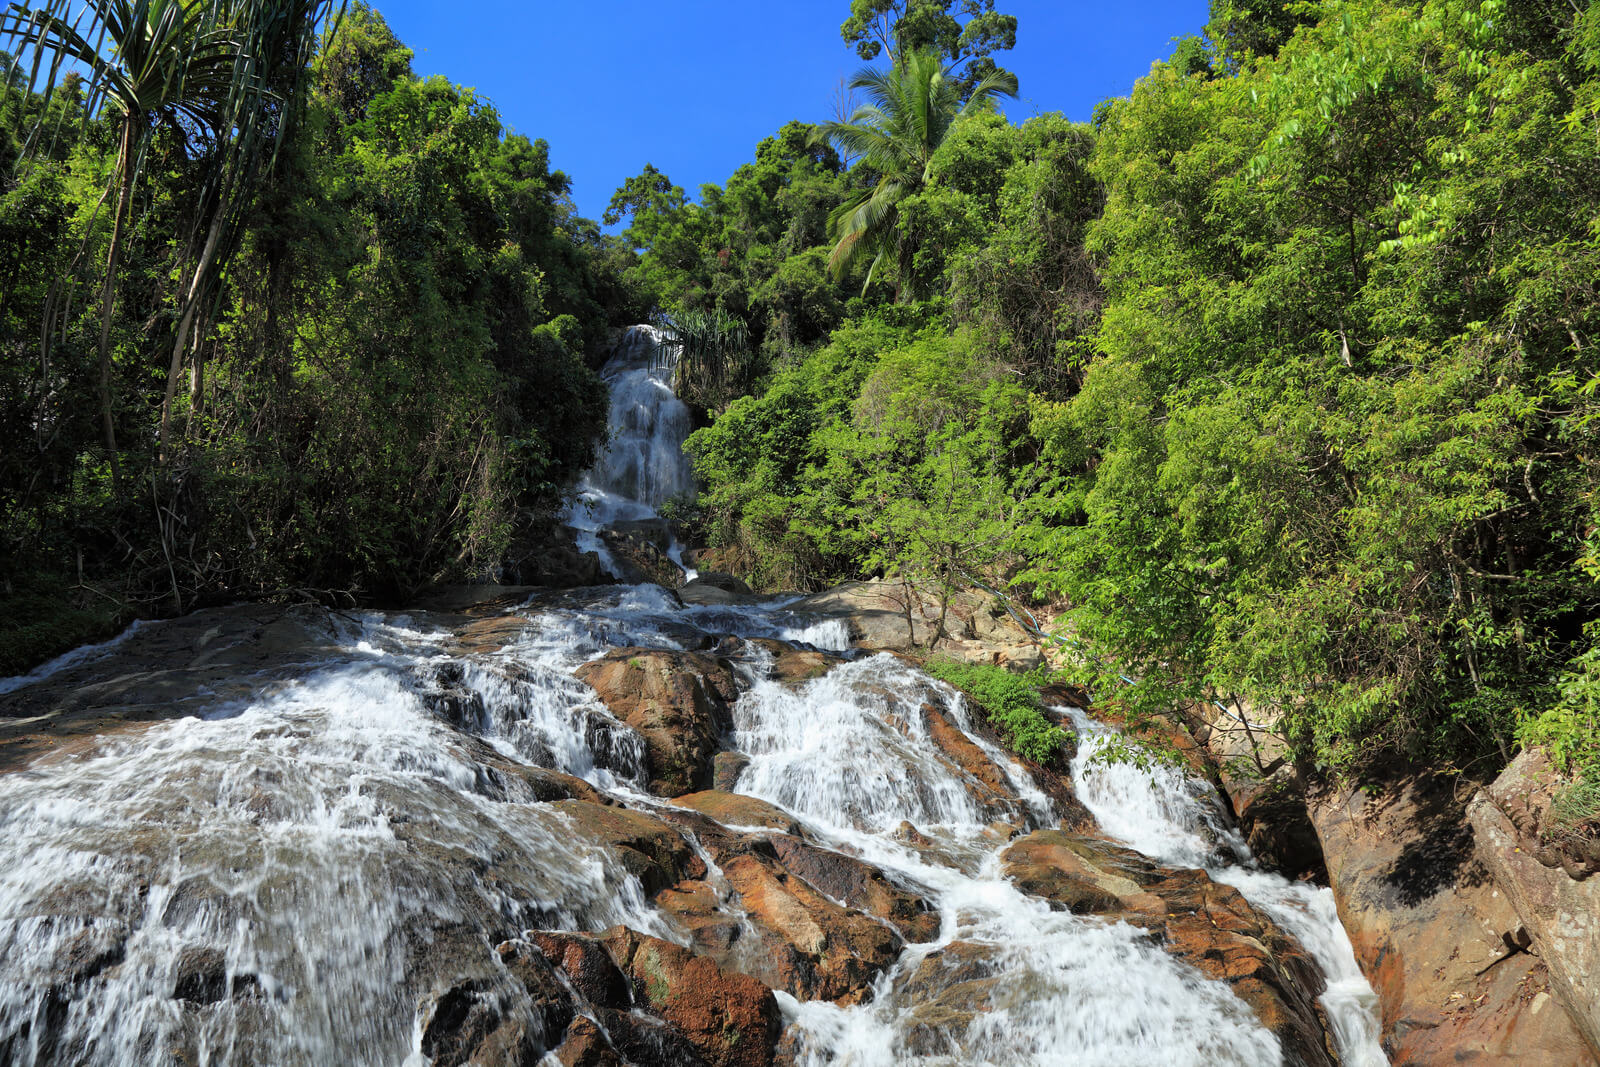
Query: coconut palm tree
point(912, 107)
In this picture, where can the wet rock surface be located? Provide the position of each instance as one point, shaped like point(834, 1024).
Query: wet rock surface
point(1208, 925)
point(677, 701)
point(526, 899)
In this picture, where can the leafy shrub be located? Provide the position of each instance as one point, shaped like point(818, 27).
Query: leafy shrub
point(1010, 703)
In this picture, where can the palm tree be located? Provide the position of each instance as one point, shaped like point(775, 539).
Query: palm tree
point(200, 67)
point(149, 61)
point(913, 106)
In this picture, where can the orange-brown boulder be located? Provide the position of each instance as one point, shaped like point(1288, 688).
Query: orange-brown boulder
point(732, 1019)
point(647, 848)
point(677, 701)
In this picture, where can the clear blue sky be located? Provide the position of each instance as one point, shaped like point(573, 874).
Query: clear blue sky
point(692, 85)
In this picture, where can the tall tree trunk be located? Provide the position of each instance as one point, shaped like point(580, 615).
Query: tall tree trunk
point(186, 324)
point(108, 295)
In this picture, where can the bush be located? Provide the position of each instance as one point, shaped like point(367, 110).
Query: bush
point(1010, 703)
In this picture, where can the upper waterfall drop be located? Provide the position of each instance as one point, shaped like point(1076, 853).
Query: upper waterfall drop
point(643, 465)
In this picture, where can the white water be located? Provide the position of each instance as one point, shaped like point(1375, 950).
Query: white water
point(643, 465)
point(345, 845)
point(850, 755)
point(1178, 820)
point(68, 660)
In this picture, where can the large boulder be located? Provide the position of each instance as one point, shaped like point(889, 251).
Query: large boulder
point(677, 701)
point(710, 588)
point(732, 1019)
point(1433, 933)
point(639, 555)
point(972, 626)
point(793, 935)
point(1560, 912)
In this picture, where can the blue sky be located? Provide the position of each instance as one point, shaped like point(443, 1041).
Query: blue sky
point(692, 85)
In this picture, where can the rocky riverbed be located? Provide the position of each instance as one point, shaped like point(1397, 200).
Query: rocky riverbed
point(599, 825)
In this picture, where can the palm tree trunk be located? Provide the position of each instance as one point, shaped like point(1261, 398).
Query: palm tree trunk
point(108, 295)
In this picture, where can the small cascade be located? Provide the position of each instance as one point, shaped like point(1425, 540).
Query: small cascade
point(1178, 819)
point(849, 753)
point(643, 465)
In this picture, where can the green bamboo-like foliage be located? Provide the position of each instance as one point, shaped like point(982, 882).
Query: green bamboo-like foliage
point(912, 107)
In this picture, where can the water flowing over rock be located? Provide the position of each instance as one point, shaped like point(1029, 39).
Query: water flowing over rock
point(606, 826)
point(642, 467)
point(424, 839)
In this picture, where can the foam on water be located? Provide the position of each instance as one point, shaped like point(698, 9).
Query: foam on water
point(850, 755)
point(1179, 820)
point(313, 846)
point(643, 465)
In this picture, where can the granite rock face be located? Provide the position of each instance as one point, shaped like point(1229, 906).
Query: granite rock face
point(1560, 913)
point(1435, 934)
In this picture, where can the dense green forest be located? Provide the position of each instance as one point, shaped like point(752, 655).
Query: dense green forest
point(1276, 379)
point(1278, 375)
point(379, 371)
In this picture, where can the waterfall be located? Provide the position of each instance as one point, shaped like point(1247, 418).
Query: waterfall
point(1178, 819)
point(288, 877)
point(643, 465)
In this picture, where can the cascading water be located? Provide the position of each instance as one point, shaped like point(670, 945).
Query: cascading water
point(1176, 819)
point(304, 873)
point(643, 465)
point(289, 878)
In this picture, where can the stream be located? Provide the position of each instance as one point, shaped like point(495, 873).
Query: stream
point(300, 868)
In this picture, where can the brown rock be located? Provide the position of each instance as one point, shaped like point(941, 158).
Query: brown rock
point(731, 1019)
point(726, 768)
point(860, 885)
point(819, 949)
point(648, 848)
point(586, 963)
point(1062, 869)
point(677, 701)
point(1428, 927)
point(950, 988)
point(794, 666)
point(1560, 913)
point(586, 1046)
point(1209, 925)
point(987, 782)
point(736, 809)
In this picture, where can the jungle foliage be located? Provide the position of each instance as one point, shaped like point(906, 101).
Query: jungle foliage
point(1278, 377)
point(383, 321)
